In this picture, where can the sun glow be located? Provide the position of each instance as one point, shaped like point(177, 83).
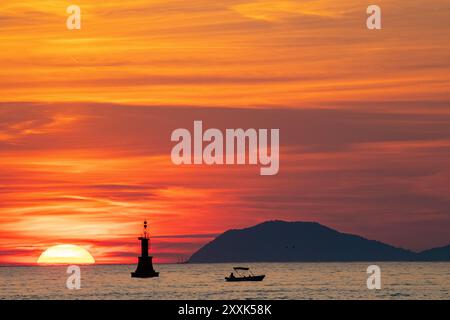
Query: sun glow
point(66, 254)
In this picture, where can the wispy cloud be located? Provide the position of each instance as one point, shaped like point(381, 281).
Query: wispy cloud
point(276, 10)
point(231, 53)
point(93, 181)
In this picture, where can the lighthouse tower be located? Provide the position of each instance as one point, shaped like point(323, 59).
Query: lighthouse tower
point(145, 265)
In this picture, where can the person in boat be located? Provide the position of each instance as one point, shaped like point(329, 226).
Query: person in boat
point(232, 275)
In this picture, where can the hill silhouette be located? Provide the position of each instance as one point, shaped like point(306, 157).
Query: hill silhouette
point(280, 241)
point(436, 254)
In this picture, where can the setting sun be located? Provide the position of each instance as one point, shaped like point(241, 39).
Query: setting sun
point(66, 254)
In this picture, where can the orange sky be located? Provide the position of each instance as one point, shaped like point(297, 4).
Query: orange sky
point(86, 117)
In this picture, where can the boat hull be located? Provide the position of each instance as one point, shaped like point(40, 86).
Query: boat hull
point(241, 279)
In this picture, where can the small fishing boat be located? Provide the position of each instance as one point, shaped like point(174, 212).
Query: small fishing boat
point(241, 276)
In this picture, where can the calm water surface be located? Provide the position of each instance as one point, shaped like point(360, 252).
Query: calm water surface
point(206, 281)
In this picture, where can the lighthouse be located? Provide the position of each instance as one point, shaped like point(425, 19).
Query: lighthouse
point(145, 265)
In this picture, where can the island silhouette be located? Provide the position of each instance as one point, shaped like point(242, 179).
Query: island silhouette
point(281, 241)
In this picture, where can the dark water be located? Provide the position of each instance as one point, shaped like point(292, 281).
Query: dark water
point(205, 281)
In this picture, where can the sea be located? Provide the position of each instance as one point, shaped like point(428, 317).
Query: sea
point(405, 280)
